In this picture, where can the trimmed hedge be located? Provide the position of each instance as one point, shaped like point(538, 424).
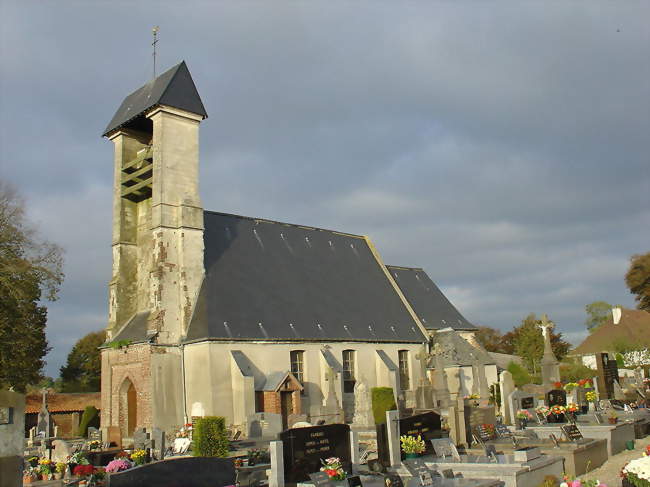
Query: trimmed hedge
point(90, 417)
point(520, 375)
point(210, 437)
point(383, 400)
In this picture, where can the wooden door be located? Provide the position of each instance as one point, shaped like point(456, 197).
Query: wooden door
point(286, 405)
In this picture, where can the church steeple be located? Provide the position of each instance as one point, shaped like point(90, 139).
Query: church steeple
point(157, 211)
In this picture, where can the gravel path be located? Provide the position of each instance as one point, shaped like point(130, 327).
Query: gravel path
point(609, 472)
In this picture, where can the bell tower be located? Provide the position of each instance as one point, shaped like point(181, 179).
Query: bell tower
point(157, 214)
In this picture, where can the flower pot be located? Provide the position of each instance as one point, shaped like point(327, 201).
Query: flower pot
point(411, 455)
point(612, 420)
point(28, 479)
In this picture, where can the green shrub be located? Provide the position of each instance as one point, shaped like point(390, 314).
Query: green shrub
point(520, 375)
point(620, 362)
point(210, 437)
point(574, 371)
point(90, 417)
point(383, 400)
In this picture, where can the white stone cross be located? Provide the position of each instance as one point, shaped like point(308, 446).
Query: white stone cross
point(546, 325)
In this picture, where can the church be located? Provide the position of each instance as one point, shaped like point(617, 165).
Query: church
point(221, 314)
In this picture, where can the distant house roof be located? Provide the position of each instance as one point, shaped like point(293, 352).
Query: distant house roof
point(633, 328)
point(266, 280)
point(502, 360)
point(427, 300)
point(456, 351)
point(60, 402)
point(174, 88)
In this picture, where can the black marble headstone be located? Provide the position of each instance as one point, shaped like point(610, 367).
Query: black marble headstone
point(178, 472)
point(304, 448)
point(427, 425)
point(556, 397)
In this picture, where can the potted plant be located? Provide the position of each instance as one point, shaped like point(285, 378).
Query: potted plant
point(333, 468)
point(572, 410)
point(612, 417)
point(412, 446)
point(591, 398)
point(45, 468)
point(59, 470)
point(139, 457)
point(523, 416)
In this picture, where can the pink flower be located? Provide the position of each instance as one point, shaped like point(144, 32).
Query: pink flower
point(576, 483)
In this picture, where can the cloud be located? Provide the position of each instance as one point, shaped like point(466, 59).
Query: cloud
point(501, 147)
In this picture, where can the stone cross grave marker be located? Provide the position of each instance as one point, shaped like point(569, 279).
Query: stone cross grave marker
point(303, 449)
point(507, 385)
point(362, 405)
point(520, 400)
point(43, 424)
point(556, 397)
point(141, 439)
point(157, 443)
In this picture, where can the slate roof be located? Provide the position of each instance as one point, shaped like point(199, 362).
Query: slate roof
point(268, 281)
point(633, 327)
point(60, 402)
point(135, 329)
point(174, 88)
point(429, 303)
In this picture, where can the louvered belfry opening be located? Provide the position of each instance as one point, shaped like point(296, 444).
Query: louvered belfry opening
point(137, 175)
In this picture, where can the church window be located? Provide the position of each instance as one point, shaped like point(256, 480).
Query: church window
point(297, 365)
point(348, 371)
point(404, 379)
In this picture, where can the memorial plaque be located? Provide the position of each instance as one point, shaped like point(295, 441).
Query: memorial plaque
point(321, 479)
point(443, 447)
point(485, 432)
point(6, 415)
point(304, 448)
point(502, 431)
point(428, 426)
point(556, 397)
point(572, 432)
point(527, 403)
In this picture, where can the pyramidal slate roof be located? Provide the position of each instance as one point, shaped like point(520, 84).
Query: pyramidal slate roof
point(269, 281)
point(427, 300)
point(174, 88)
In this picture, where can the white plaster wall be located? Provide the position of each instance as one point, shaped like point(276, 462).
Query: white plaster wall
point(167, 385)
point(210, 379)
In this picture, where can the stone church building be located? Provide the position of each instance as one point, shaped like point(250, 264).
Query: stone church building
point(220, 314)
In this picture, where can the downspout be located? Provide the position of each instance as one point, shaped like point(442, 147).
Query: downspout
point(185, 416)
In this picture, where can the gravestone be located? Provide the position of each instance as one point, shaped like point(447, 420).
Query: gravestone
point(61, 451)
point(94, 434)
point(157, 443)
point(550, 365)
point(304, 448)
point(332, 412)
point(607, 375)
point(43, 422)
point(507, 385)
point(521, 400)
point(264, 425)
point(362, 405)
point(440, 386)
point(141, 439)
point(114, 436)
point(185, 471)
point(427, 425)
point(556, 397)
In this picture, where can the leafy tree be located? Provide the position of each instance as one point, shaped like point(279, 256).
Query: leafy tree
point(597, 314)
point(528, 343)
point(82, 371)
point(638, 280)
point(489, 338)
point(520, 375)
point(29, 268)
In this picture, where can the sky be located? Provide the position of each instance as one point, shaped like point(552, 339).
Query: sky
point(501, 146)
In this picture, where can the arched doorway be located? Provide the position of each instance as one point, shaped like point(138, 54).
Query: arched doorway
point(128, 408)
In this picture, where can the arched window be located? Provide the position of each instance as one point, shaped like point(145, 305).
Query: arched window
point(348, 370)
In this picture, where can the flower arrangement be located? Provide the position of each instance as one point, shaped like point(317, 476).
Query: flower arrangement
point(591, 396)
point(585, 383)
point(46, 466)
point(573, 482)
point(83, 470)
point(572, 407)
point(412, 444)
point(333, 468)
point(637, 472)
point(118, 465)
point(542, 410)
point(185, 431)
point(94, 444)
point(557, 385)
point(569, 386)
point(79, 458)
point(139, 457)
point(557, 409)
point(60, 467)
point(489, 429)
point(523, 414)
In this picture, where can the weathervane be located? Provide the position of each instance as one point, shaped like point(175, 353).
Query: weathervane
point(155, 31)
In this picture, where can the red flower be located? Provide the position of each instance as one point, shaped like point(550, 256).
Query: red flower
point(557, 385)
point(331, 472)
point(83, 470)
